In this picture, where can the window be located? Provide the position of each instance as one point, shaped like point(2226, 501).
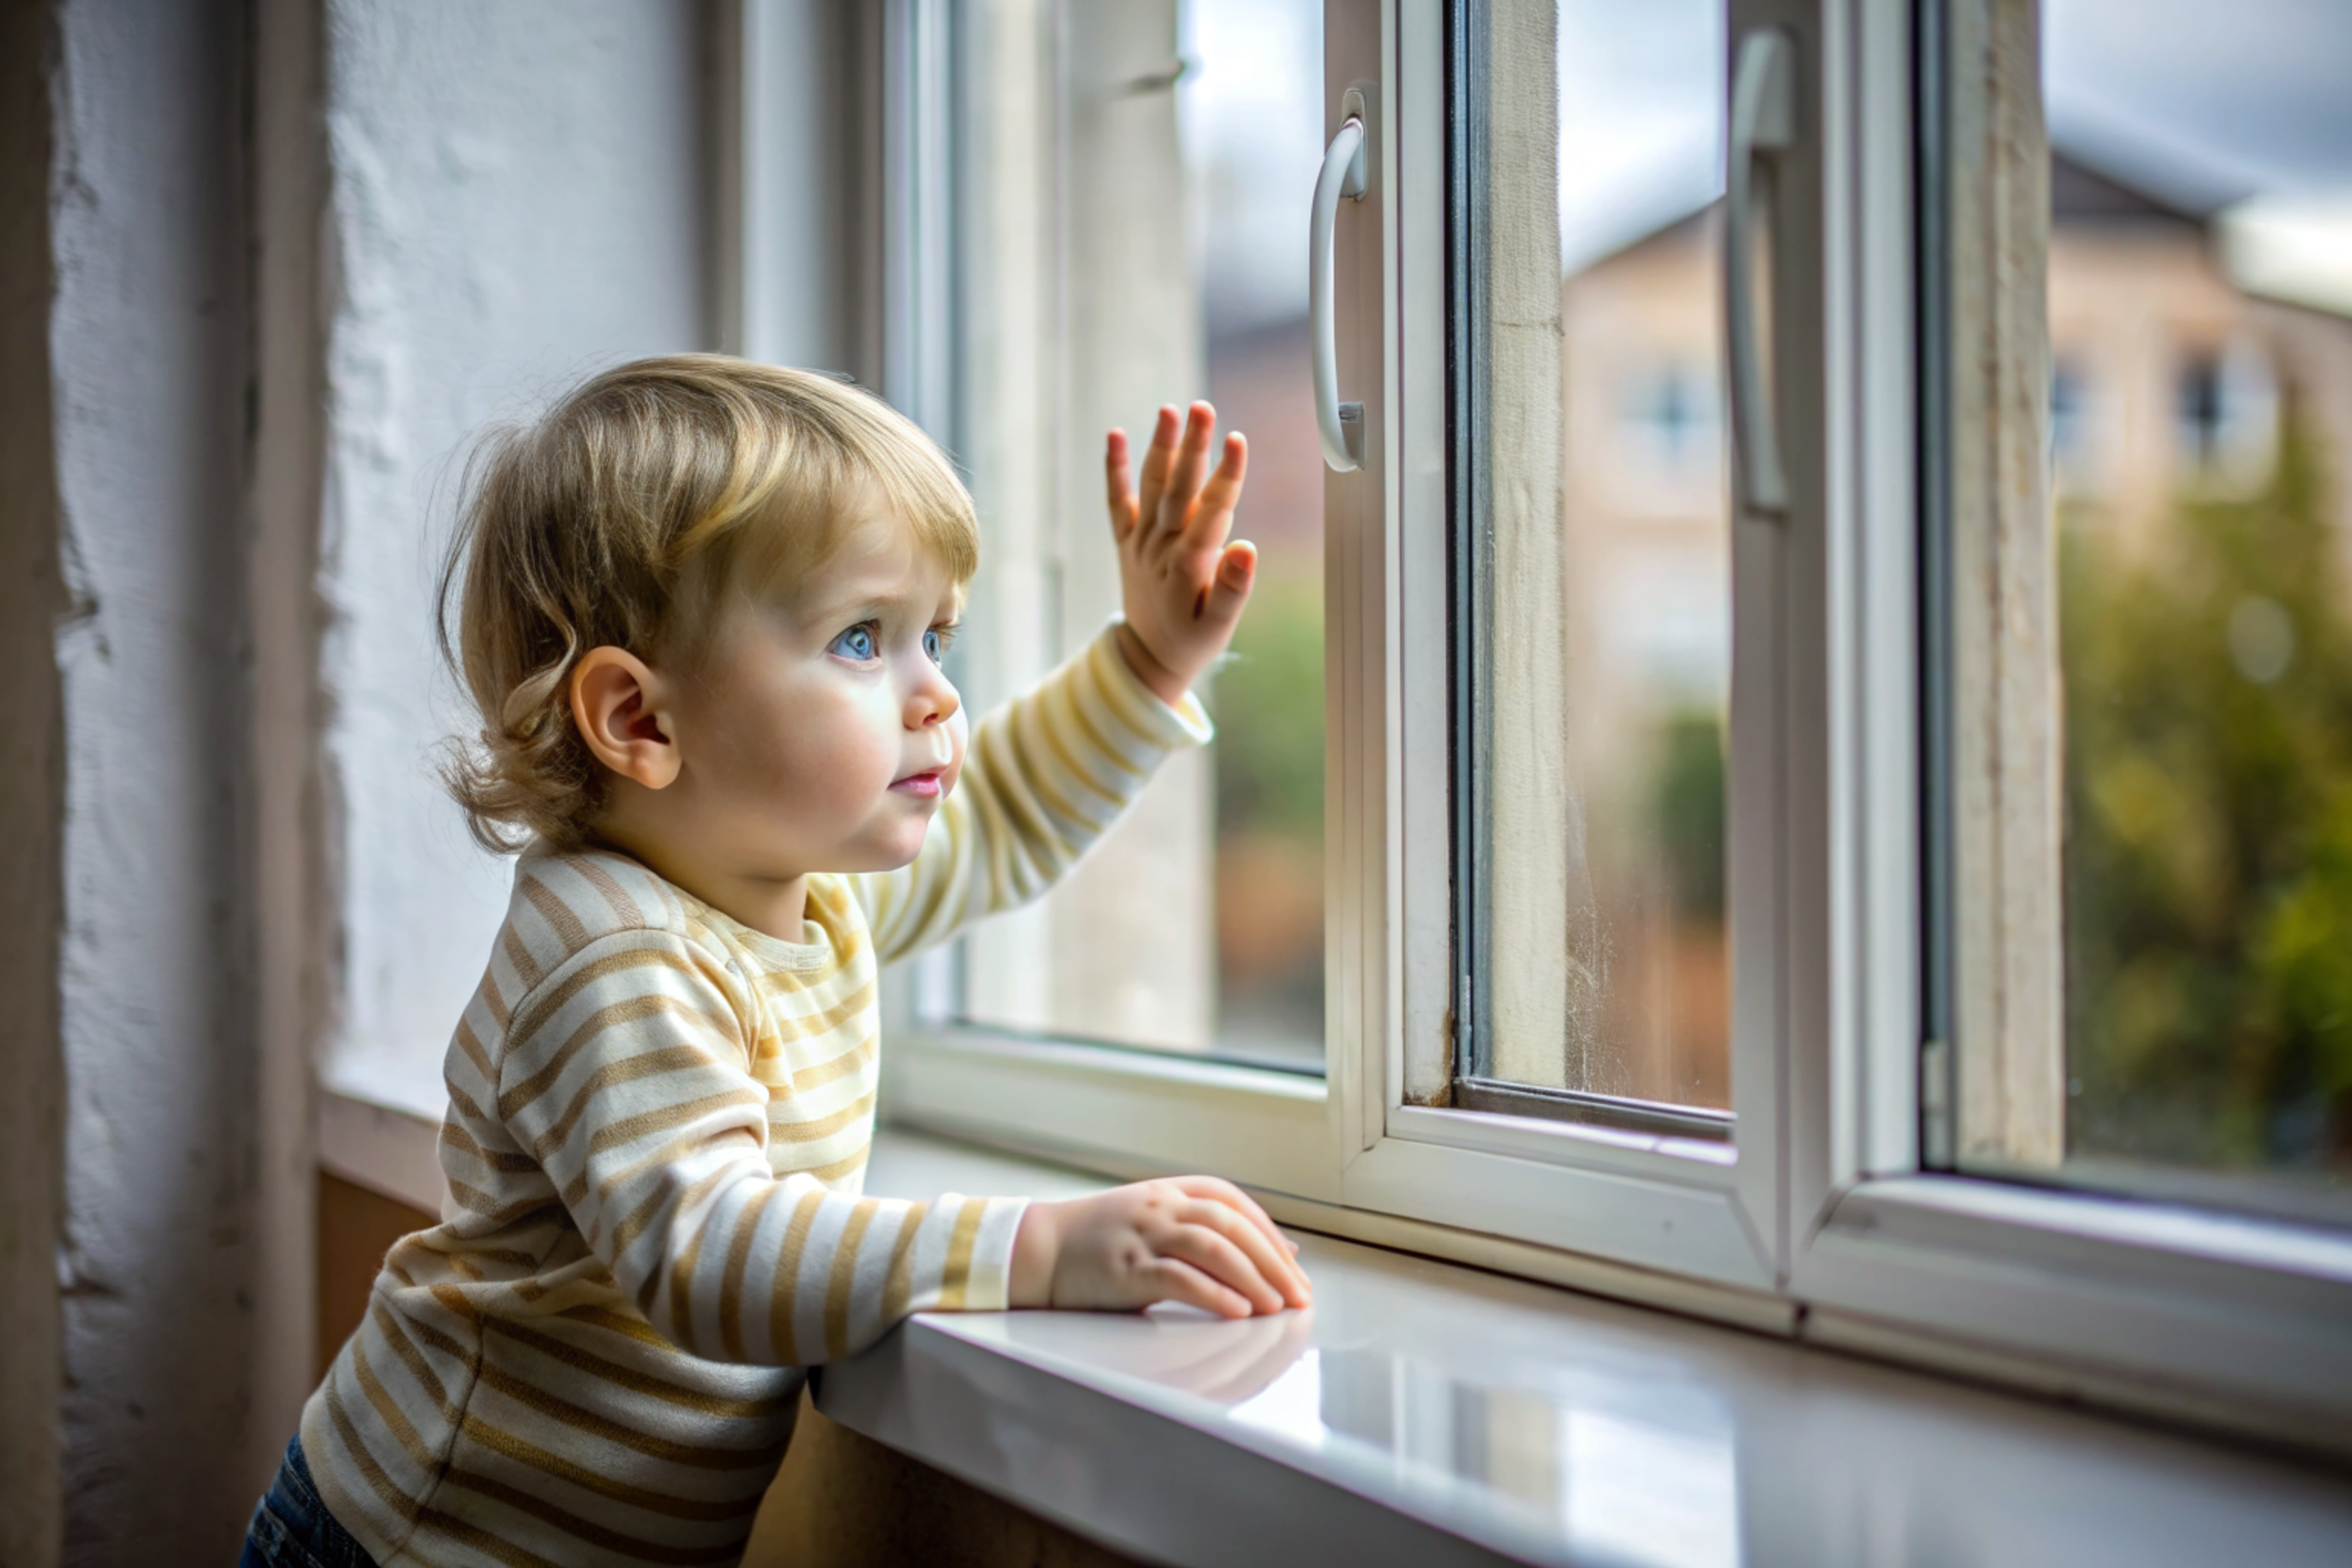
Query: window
point(2194, 639)
point(1805, 835)
point(2071, 459)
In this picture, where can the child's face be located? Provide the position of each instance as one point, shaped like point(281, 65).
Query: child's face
point(820, 734)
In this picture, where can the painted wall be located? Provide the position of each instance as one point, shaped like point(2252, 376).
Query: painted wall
point(149, 378)
point(519, 198)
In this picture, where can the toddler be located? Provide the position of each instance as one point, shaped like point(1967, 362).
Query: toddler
point(701, 605)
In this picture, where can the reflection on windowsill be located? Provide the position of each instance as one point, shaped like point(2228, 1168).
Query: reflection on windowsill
point(1652, 1486)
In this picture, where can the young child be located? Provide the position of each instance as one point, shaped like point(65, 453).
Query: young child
point(703, 607)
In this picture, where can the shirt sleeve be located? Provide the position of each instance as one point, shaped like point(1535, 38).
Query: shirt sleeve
point(624, 1075)
point(1046, 776)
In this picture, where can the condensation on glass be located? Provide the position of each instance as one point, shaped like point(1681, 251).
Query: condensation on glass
point(1589, 175)
point(2148, 305)
point(1133, 189)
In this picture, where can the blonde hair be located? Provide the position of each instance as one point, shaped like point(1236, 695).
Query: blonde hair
point(625, 516)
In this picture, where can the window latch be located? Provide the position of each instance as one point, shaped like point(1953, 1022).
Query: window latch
point(1763, 123)
point(1341, 424)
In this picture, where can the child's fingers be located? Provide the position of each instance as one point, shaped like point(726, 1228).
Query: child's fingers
point(1217, 1189)
point(1184, 476)
point(1156, 463)
point(1220, 497)
point(1229, 589)
point(1177, 1280)
point(1116, 477)
point(1273, 1262)
point(1219, 1258)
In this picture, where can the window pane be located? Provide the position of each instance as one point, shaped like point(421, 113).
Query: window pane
point(1600, 546)
point(1132, 235)
point(1253, 118)
point(2151, 648)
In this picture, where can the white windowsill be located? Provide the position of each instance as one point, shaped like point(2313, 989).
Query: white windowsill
point(1427, 1412)
point(383, 1137)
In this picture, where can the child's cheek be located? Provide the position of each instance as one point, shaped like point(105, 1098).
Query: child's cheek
point(865, 744)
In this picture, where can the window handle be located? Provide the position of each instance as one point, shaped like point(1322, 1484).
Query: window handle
point(1343, 423)
point(1763, 123)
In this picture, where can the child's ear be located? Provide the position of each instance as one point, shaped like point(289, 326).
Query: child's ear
point(617, 706)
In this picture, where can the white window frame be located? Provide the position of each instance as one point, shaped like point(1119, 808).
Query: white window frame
point(1824, 1224)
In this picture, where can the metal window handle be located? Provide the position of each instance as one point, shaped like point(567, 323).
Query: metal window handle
point(1763, 122)
point(1343, 423)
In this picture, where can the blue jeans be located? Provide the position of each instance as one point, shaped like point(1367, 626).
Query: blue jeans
point(291, 1527)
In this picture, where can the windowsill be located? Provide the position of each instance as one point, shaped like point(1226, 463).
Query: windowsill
point(1428, 1413)
point(381, 1137)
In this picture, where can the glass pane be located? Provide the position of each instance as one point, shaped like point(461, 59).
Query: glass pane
point(2192, 549)
point(1088, 295)
point(1601, 546)
point(1252, 108)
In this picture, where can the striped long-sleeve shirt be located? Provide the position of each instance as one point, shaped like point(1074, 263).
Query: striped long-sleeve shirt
point(657, 1131)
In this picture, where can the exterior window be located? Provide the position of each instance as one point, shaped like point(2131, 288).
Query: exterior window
point(1670, 462)
point(2070, 456)
point(2201, 411)
point(2228, 421)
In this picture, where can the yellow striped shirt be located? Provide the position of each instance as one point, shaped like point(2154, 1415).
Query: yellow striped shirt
point(656, 1136)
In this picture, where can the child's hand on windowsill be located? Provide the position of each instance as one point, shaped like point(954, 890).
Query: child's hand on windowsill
point(1182, 585)
point(1196, 1240)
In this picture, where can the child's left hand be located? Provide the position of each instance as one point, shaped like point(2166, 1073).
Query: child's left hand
point(1182, 584)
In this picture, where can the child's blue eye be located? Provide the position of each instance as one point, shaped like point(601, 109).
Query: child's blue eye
point(858, 643)
point(934, 645)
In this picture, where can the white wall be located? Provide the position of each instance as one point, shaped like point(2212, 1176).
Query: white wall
point(149, 373)
point(519, 198)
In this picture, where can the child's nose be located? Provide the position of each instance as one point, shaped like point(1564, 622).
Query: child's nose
point(933, 701)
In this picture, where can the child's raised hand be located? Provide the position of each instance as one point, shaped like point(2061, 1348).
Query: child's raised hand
point(1182, 584)
point(1196, 1240)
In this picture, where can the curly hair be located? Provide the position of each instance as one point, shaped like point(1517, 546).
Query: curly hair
point(625, 515)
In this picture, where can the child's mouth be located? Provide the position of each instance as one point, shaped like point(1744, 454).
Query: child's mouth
point(923, 786)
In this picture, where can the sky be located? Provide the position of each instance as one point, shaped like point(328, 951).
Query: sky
point(2242, 106)
point(1641, 120)
point(1251, 113)
point(2248, 96)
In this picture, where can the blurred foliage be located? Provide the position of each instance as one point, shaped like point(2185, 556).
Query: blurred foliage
point(2208, 847)
point(1686, 801)
point(1267, 701)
